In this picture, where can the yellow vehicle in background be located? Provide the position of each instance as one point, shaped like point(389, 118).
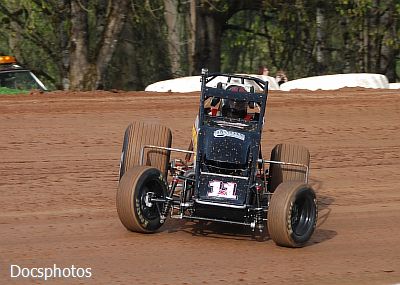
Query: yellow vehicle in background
point(16, 79)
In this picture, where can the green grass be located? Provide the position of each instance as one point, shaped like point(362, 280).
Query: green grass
point(9, 91)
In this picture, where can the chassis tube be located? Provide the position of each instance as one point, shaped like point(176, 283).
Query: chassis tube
point(162, 148)
point(287, 163)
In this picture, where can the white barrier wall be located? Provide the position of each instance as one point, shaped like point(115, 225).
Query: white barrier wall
point(394, 85)
point(192, 83)
point(337, 81)
point(272, 83)
point(182, 84)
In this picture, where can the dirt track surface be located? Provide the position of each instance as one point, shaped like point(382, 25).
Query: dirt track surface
point(59, 157)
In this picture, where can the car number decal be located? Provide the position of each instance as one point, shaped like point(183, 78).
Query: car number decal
point(222, 189)
point(224, 133)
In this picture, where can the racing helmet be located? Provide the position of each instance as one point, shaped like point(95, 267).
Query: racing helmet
point(235, 108)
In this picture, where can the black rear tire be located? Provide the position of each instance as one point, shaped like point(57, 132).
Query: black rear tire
point(292, 214)
point(132, 209)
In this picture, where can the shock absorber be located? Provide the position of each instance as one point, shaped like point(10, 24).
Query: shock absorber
point(169, 199)
point(259, 210)
point(259, 219)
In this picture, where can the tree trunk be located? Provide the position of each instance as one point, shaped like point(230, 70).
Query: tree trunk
point(79, 61)
point(117, 11)
point(388, 52)
point(86, 73)
point(64, 44)
point(208, 43)
point(348, 54)
point(171, 16)
point(207, 38)
point(195, 30)
point(320, 27)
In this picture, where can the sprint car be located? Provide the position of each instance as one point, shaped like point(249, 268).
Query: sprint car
point(223, 177)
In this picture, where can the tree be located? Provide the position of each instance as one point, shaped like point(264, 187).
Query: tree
point(31, 36)
point(308, 37)
point(197, 42)
point(73, 43)
point(65, 33)
point(371, 34)
point(87, 70)
point(141, 56)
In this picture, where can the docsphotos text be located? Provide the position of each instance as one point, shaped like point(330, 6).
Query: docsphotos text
point(46, 273)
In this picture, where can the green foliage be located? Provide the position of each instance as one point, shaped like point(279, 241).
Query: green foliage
point(283, 36)
point(141, 57)
point(278, 38)
point(32, 36)
point(215, 6)
point(10, 91)
point(357, 36)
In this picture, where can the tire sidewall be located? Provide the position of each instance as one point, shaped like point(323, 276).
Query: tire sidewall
point(122, 162)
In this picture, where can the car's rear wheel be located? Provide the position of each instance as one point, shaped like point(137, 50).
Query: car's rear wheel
point(292, 214)
point(139, 134)
point(136, 212)
point(282, 173)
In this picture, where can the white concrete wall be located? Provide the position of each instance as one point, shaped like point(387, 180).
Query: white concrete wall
point(337, 81)
point(324, 82)
point(192, 83)
point(394, 85)
point(183, 84)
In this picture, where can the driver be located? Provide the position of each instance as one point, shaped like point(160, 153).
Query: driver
point(230, 108)
point(234, 109)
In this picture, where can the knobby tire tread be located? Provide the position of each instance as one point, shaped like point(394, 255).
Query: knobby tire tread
point(140, 134)
point(283, 173)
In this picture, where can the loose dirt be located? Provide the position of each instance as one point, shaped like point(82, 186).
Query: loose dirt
point(59, 157)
